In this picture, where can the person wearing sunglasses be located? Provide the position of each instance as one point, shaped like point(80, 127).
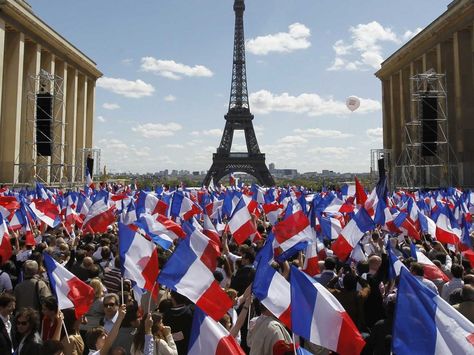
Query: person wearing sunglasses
point(28, 340)
point(111, 306)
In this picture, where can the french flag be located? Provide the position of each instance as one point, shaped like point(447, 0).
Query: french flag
point(209, 337)
point(331, 227)
point(162, 230)
point(395, 264)
point(241, 224)
point(210, 230)
point(338, 206)
point(205, 248)
point(70, 291)
point(139, 258)
point(427, 324)
point(447, 229)
point(89, 182)
point(46, 211)
point(273, 211)
point(293, 233)
point(5, 245)
point(99, 217)
point(149, 203)
point(352, 234)
point(183, 207)
point(187, 274)
point(311, 261)
point(271, 288)
point(431, 271)
point(317, 316)
point(427, 224)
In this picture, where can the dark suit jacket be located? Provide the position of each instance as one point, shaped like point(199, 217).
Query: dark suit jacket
point(5, 342)
point(32, 345)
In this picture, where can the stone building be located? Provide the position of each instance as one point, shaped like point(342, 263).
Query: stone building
point(46, 101)
point(428, 103)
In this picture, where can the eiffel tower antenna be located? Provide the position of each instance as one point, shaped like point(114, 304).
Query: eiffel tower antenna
point(239, 117)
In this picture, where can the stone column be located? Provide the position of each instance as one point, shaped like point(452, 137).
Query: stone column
point(60, 121)
point(90, 113)
point(28, 134)
point(81, 126)
point(387, 121)
point(395, 115)
point(12, 90)
point(90, 119)
point(464, 103)
point(71, 114)
point(2, 62)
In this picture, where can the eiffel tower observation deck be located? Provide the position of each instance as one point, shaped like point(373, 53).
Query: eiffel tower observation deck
point(239, 117)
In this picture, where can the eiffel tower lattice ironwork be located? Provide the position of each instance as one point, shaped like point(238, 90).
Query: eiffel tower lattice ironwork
point(239, 118)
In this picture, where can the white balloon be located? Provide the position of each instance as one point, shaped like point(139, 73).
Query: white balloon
point(352, 103)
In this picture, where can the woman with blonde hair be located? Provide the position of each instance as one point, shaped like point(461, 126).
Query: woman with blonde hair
point(96, 311)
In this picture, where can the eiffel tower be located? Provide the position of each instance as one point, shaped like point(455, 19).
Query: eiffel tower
point(239, 118)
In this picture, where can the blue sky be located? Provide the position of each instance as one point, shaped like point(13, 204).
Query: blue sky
point(167, 73)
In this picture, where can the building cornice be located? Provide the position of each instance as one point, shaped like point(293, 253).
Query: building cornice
point(459, 15)
point(32, 26)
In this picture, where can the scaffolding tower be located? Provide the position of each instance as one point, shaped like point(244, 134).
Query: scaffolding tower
point(42, 127)
point(427, 160)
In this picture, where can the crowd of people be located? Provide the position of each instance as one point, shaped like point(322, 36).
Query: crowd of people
point(122, 320)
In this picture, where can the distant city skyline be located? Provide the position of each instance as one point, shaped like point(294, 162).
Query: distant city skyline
point(167, 68)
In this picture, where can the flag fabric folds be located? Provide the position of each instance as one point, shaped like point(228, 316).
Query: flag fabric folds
point(352, 234)
point(209, 337)
point(187, 274)
point(241, 224)
point(426, 324)
point(70, 291)
point(139, 258)
point(317, 316)
point(271, 288)
point(5, 245)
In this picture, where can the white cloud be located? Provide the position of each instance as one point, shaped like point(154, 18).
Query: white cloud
point(292, 140)
point(332, 152)
point(132, 158)
point(110, 106)
point(156, 130)
point(410, 34)
point(172, 70)
point(321, 133)
point(364, 50)
point(375, 134)
point(264, 102)
point(127, 61)
point(214, 132)
point(101, 119)
point(175, 146)
point(134, 89)
point(169, 98)
point(282, 42)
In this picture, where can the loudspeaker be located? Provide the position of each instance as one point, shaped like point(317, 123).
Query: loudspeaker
point(44, 109)
point(429, 124)
point(381, 167)
point(90, 165)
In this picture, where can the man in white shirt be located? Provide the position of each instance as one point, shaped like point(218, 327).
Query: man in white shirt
point(7, 306)
point(111, 306)
point(455, 283)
